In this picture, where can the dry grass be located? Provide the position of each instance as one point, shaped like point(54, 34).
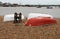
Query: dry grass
point(9, 30)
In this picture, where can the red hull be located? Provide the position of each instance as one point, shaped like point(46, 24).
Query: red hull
point(39, 21)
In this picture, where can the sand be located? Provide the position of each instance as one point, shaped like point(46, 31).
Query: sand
point(9, 30)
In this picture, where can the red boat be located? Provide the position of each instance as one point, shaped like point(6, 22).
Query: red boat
point(40, 21)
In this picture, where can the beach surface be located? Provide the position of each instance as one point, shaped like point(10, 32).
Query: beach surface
point(9, 30)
